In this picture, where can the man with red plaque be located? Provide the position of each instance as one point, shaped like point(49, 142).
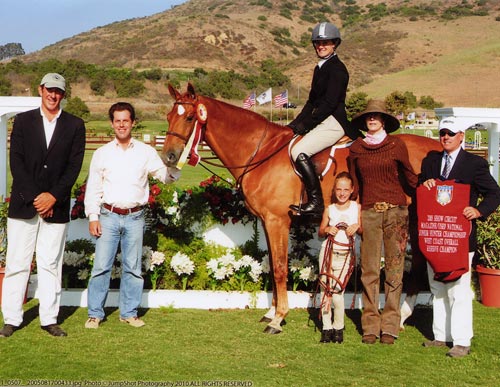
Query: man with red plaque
point(452, 301)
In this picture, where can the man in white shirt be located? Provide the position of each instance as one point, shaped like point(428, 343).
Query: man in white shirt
point(117, 191)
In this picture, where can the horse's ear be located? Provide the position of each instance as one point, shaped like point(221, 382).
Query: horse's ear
point(190, 90)
point(173, 92)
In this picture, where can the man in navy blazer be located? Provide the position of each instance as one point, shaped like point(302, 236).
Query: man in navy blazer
point(47, 147)
point(452, 301)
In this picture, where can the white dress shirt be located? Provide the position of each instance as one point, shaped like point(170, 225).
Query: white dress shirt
point(119, 177)
point(49, 126)
point(453, 157)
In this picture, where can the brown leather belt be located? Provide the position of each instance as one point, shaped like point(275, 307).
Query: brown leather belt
point(122, 211)
point(383, 206)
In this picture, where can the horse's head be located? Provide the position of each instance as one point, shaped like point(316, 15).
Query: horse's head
point(186, 112)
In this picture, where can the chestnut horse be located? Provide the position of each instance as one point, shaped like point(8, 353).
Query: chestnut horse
point(255, 152)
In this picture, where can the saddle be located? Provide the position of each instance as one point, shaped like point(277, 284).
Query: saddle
point(344, 142)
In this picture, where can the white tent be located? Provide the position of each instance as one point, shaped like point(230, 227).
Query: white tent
point(489, 118)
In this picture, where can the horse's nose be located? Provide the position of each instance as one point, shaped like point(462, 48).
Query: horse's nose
point(169, 158)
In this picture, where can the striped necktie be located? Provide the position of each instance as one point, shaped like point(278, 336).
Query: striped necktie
point(447, 166)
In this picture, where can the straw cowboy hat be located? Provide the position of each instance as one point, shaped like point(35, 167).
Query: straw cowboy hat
point(391, 123)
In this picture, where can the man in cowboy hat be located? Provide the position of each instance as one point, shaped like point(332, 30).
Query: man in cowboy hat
point(382, 171)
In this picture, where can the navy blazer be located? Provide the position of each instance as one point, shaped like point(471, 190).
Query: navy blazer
point(467, 169)
point(326, 97)
point(37, 168)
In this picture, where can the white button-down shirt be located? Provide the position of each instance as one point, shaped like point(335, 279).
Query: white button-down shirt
point(119, 177)
point(49, 126)
point(453, 157)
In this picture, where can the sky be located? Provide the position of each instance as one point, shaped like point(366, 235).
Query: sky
point(39, 23)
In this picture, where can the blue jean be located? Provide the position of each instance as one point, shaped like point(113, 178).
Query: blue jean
point(128, 231)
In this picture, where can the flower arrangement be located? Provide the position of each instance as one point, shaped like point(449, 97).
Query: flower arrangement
point(175, 221)
point(302, 271)
point(154, 263)
point(220, 269)
point(78, 260)
point(247, 269)
point(183, 267)
point(229, 268)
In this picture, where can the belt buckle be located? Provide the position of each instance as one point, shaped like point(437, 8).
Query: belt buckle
point(381, 206)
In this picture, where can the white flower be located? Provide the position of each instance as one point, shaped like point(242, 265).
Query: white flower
point(157, 258)
point(295, 264)
point(221, 267)
point(256, 271)
point(266, 266)
point(71, 258)
point(181, 264)
point(227, 259)
point(213, 265)
point(83, 274)
point(307, 274)
point(223, 272)
point(172, 210)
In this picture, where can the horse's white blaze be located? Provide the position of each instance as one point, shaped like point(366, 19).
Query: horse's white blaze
point(180, 110)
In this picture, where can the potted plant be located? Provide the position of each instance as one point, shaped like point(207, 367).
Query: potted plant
point(488, 267)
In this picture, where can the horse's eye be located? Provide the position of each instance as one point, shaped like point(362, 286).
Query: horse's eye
point(190, 118)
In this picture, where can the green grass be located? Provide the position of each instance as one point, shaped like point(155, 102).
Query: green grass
point(198, 346)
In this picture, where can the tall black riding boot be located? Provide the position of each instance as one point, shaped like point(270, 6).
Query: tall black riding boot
point(314, 206)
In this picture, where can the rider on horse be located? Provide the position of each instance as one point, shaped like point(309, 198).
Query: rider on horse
point(323, 120)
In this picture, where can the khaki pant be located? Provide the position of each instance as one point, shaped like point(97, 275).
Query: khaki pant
point(391, 229)
point(339, 268)
point(322, 136)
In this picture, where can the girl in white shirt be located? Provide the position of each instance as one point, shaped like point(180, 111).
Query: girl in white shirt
point(341, 220)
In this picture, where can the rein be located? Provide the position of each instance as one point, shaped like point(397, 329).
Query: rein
point(333, 284)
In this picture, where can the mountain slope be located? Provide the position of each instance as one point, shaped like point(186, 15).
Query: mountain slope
point(455, 61)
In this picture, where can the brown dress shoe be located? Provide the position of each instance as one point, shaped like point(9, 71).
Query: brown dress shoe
point(458, 351)
point(369, 339)
point(54, 330)
point(8, 330)
point(387, 339)
point(434, 343)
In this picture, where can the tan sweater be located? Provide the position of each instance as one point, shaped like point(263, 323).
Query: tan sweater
point(382, 172)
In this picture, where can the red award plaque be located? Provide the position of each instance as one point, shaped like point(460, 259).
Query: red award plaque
point(443, 231)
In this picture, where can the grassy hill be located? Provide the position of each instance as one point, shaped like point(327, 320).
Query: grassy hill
point(438, 48)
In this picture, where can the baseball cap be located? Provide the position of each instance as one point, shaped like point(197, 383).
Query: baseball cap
point(453, 124)
point(53, 80)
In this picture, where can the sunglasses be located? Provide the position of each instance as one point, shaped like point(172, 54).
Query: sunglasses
point(442, 133)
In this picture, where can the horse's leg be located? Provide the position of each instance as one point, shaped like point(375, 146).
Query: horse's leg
point(277, 231)
point(268, 317)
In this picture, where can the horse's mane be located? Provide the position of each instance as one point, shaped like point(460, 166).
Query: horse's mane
point(246, 115)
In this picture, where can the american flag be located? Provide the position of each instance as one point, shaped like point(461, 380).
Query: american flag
point(249, 101)
point(281, 99)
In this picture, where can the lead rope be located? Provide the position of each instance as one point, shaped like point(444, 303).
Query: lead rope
point(326, 268)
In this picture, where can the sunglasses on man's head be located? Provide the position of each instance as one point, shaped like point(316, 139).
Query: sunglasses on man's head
point(443, 132)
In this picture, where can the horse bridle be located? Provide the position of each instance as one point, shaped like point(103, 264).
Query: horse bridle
point(178, 135)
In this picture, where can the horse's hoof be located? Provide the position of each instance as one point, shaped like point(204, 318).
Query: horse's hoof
point(265, 319)
point(271, 330)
